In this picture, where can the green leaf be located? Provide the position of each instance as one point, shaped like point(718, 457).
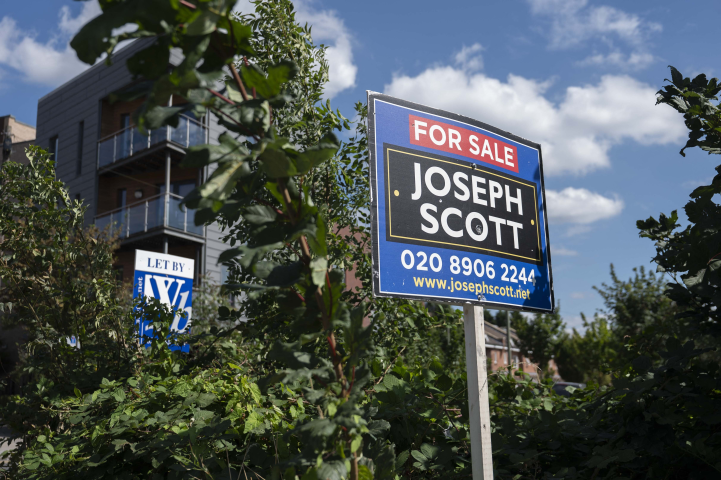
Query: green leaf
point(203, 24)
point(276, 162)
point(379, 428)
point(430, 451)
point(202, 155)
point(158, 116)
point(318, 242)
point(317, 154)
point(119, 395)
point(260, 214)
point(642, 364)
point(250, 255)
point(422, 461)
point(280, 275)
point(319, 268)
point(444, 382)
point(364, 473)
point(311, 474)
point(676, 77)
point(96, 37)
point(253, 421)
point(151, 62)
point(269, 86)
point(333, 470)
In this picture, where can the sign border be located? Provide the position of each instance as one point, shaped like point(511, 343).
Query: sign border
point(420, 241)
point(372, 97)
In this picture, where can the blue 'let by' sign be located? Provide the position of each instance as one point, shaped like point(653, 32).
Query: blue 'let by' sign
point(168, 278)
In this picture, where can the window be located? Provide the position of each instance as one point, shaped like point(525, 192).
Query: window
point(123, 140)
point(181, 188)
point(122, 198)
point(53, 147)
point(81, 134)
point(177, 215)
point(77, 197)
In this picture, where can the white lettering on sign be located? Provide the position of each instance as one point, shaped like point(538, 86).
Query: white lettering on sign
point(462, 141)
point(496, 193)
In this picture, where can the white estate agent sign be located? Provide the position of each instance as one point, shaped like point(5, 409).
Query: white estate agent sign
point(169, 279)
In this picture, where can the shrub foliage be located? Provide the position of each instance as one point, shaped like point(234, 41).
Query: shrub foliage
point(321, 382)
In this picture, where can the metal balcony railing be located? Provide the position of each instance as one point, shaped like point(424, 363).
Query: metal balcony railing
point(163, 210)
point(129, 141)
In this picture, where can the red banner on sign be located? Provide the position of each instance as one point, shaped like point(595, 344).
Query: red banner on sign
point(451, 139)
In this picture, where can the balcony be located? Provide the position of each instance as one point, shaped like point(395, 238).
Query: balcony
point(160, 211)
point(130, 140)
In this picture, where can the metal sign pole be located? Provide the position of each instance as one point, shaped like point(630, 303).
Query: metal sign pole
point(508, 342)
point(478, 409)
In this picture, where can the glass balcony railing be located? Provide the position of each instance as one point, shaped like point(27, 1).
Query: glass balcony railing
point(129, 141)
point(162, 210)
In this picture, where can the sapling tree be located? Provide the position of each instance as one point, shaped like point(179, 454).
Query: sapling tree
point(266, 179)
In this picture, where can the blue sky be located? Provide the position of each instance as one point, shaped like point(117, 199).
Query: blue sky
point(577, 76)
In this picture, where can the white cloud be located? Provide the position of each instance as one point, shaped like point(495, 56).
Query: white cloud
point(53, 62)
point(575, 22)
point(469, 58)
point(329, 29)
point(576, 133)
point(50, 63)
point(574, 230)
point(69, 25)
point(632, 61)
point(560, 251)
point(697, 183)
point(574, 321)
point(580, 206)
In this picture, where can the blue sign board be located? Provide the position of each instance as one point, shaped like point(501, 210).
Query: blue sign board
point(169, 279)
point(458, 210)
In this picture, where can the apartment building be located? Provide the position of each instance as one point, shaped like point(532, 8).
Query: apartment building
point(132, 183)
point(15, 137)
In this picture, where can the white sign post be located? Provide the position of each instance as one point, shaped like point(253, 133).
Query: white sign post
point(479, 414)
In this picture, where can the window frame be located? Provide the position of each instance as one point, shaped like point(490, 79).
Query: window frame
point(121, 199)
point(54, 147)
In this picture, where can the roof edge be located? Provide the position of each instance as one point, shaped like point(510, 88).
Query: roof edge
point(125, 49)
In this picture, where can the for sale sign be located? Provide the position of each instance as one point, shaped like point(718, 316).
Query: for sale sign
point(458, 210)
point(169, 279)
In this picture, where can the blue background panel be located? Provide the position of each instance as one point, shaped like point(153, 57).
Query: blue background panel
point(394, 275)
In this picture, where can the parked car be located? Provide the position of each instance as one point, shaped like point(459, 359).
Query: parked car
point(560, 387)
